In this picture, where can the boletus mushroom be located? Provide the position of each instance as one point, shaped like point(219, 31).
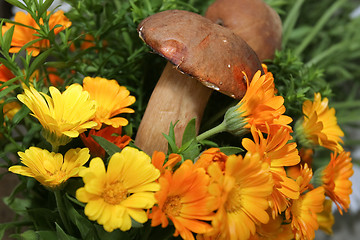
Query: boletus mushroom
point(253, 20)
point(203, 57)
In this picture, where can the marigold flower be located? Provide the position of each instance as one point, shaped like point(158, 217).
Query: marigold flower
point(326, 219)
point(22, 35)
point(335, 180)
point(63, 115)
point(278, 153)
point(121, 192)
point(110, 133)
point(319, 125)
point(275, 229)
point(49, 168)
point(5, 74)
point(303, 211)
point(258, 106)
point(112, 99)
point(158, 160)
point(241, 192)
point(184, 199)
point(210, 156)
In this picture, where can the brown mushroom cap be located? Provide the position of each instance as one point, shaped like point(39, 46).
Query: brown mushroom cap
point(253, 20)
point(198, 47)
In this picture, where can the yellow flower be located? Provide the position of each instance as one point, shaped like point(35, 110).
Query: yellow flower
point(303, 211)
point(23, 35)
point(184, 199)
point(112, 99)
point(260, 105)
point(49, 168)
point(335, 179)
point(278, 152)
point(326, 219)
point(319, 126)
point(63, 115)
point(122, 192)
point(242, 191)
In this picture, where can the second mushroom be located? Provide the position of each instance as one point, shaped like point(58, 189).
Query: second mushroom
point(202, 56)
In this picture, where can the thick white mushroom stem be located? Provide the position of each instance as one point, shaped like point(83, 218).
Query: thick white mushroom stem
point(177, 97)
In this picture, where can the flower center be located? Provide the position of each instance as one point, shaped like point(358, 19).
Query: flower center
point(114, 193)
point(233, 202)
point(172, 206)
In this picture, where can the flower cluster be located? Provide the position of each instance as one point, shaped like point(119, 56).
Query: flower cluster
point(266, 185)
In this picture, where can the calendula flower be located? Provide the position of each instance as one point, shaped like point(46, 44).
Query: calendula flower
point(184, 199)
point(326, 219)
point(241, 191)
point(25, 34)
point(112, 100)
point(5, 74)
point(63, 115)
point(49, 168)
point(319, 125)
point(10, 109)
point(210, 156)
point(275, 229)
point(303, 211)
point(260, 105)
point(335, 180)
point(110, 133)
point(278, 152)
point(121, 192)
point(158, 160)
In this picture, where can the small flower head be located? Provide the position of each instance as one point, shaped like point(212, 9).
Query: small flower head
point(49, 168)
point(158, 159)
point(241, 192)
point(210, 156)
point(112, 100)
point(63, 115)
point(335, 179)
point(319, 125)
point(184, 199)
point(278, 152)
point(303, 211)
point(110, 133)
point(258, 106)
point(121, 192)
point(23, 35)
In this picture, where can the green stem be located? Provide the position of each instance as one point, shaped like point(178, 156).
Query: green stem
point(218, 129)
point(325, 54)
point(290, 21)
point(347, 104)
point(62, 210)
point(319, 25)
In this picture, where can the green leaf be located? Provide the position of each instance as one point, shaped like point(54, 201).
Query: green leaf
point(6, 40)
point(109, 147)
point(45, 5)
point(115, 235)
point(61, 235)
point(23, 112)
point(231, 150)
point(8, 90)
point(189, 132)
point(171, 139)
point(39, 60)
point(17, 4)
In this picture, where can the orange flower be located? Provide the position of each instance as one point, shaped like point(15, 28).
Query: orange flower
point(326, 219)
point(303, 211)
point(210, 156)
point(278, 153)
point(335, 179)
point(260, 105)
point(158, 160)
point(51, 76)
point(5, 74)
point(275, 229)
point(241, 192)
point(184, 199)
point(22, 35)
point(109, 133)
point(319, 126)
point(111, 98)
